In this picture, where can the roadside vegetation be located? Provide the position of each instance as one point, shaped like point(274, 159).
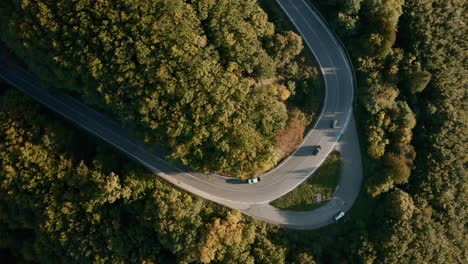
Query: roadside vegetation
point(409, 59)
point(212, 81)
point(306, 101)
point(62, 202)
point(315, 191)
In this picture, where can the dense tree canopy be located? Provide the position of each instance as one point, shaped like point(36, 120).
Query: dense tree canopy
point(180, 73)
point(66, 202)
point(58, 208)
point(411, 81)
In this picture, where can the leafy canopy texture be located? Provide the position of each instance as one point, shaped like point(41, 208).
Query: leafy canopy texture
point(413, 105)
point(181, 73)
point(63, 203)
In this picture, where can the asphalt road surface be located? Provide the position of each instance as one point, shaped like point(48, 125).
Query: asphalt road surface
point(251, 199)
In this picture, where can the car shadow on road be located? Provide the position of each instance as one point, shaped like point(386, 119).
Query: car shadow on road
point(235, 181)
point(304, 151)
point(303, 171)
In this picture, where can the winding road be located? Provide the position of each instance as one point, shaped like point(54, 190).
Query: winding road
point(250, 199)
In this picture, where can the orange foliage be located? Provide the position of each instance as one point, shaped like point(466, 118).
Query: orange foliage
point(292, 135)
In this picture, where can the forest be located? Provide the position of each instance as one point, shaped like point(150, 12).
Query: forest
point(63, 202)
point(409, 58)
point(208, 80)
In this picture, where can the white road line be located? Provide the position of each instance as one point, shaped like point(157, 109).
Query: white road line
point(140, 153)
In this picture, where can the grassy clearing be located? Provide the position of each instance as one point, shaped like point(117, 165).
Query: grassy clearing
point(317, 190)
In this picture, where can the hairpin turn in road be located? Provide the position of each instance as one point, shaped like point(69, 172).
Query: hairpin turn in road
point(251, 199)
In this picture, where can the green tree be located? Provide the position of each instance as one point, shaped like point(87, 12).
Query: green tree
point(149, 63)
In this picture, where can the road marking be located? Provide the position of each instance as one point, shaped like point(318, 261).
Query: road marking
point(171, 179)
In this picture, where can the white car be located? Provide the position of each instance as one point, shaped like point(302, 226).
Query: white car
point(339, 216)
point(253, 180)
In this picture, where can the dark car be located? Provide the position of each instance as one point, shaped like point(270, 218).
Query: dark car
point(333, 123)
point(316, 150)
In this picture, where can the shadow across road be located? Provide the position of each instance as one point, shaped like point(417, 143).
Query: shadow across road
point(235, 181)
point(304, 151)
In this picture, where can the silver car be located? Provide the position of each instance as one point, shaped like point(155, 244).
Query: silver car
point(339, 216)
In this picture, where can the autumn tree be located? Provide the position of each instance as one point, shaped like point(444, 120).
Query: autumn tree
point(176, 73)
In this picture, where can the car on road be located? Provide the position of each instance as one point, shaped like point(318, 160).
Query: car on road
point(333, 123)
point(254, 180)
point(339, 215)
point(316, 150)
